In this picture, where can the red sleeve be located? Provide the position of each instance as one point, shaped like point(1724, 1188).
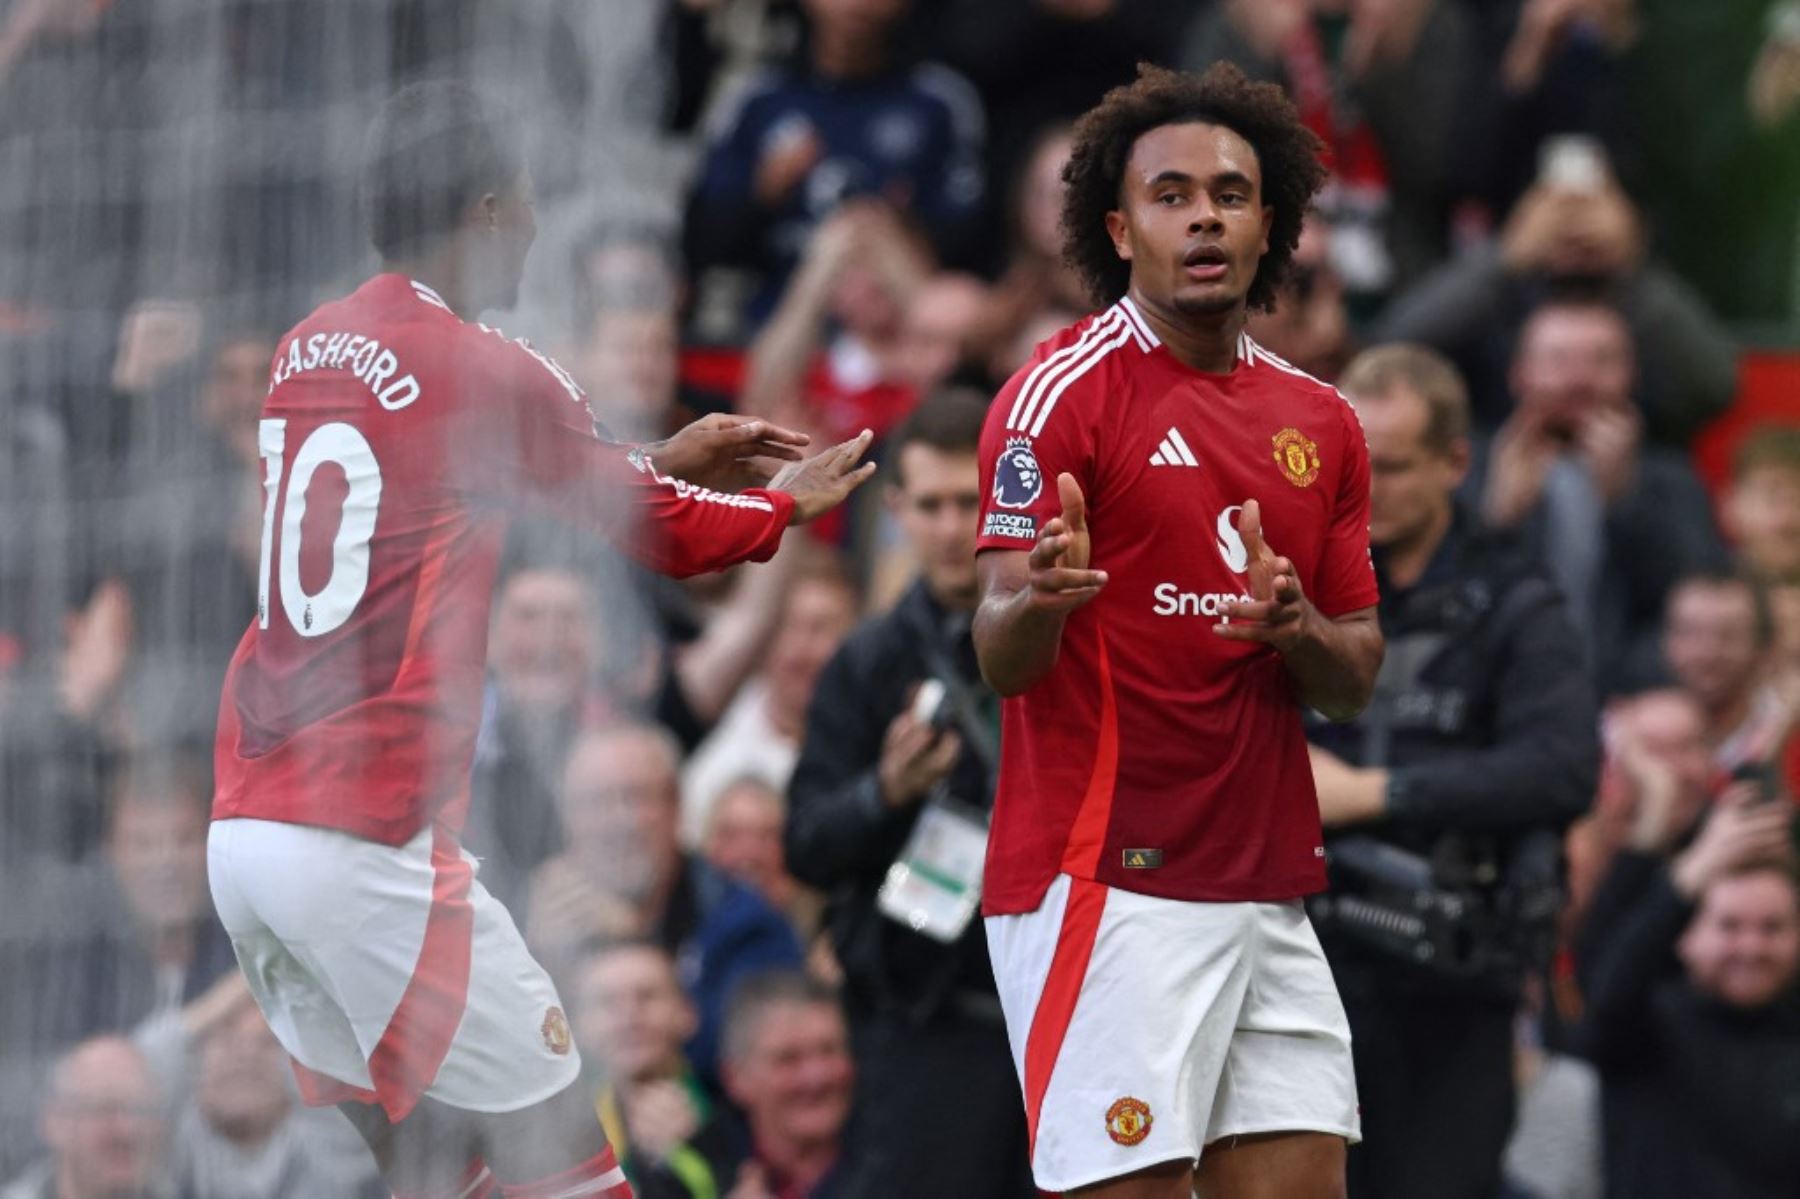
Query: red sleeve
point(1345, 579)
point(537, 442)
point(1019, 469)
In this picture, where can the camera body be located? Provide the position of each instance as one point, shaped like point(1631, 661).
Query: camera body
point(1480, 914)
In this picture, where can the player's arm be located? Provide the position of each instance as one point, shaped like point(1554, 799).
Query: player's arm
point(684, 530)
point(1026, 595)
point(1332, 659)
point(538, 445)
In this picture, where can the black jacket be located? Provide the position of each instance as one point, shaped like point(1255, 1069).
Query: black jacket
point(841, 837)
point(1698, 1099)
point(1483, 714)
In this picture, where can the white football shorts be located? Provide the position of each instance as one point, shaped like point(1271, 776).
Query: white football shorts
point(388, 973)
point(1145, 1029)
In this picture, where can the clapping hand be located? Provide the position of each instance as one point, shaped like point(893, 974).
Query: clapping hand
point(1276, 612)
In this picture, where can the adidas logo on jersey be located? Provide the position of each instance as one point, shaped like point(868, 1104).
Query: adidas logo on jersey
point(1173, 451)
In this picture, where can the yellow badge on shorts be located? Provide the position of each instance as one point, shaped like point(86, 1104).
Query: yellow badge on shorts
point(1297, 456)
point(556, 1031)
point(1128, 1121)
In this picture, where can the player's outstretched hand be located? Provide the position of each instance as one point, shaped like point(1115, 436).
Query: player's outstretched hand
point(820, 483)
point(1276, 612)
point(727, 452)
point(1060, 578)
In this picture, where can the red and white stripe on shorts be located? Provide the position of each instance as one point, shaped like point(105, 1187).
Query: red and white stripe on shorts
point(599, 1177)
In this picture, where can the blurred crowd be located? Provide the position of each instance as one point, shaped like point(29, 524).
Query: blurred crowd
point(1571, 218)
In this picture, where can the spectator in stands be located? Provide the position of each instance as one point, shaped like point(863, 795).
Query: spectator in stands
point(1042, 62)
point(631, 1020)
point(627, 360)
point(1310, 325)
point(1575, 227)
point(1036, 287)
point(1649, 737)
point(1474, 757)
point(181, 524)
point(1380, 85)
point(833, 356)
point(935, 333)
point(922, 1004)
point(58, 732)
point(1689, 959)
point(104, 1121)
point(1615, 520)
point(1717, 639)
point(743, 840)
point(787, 1065)
point(541, 671)
point(151, 941)
point(1761, 505)
point(844, 120)
point(759, 735)
point(243, 1135)
point(624, 876)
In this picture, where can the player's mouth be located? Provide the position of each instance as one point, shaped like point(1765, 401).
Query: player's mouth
point(1206, 264)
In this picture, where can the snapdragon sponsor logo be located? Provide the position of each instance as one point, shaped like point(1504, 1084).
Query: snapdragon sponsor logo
point(1171, 600)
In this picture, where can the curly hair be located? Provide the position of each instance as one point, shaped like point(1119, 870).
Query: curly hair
point(1260, 113)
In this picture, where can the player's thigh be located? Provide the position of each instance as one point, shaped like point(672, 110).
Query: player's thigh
point(429, 1152)
point(1273, 1165)
point(1289, 1067)
point(548, 1138)
point(1120, 1008)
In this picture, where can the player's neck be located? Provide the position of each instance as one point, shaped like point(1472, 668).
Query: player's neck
point(439, 273)
point(1204, 341)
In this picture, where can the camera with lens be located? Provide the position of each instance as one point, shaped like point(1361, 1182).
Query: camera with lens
point(1466, 910)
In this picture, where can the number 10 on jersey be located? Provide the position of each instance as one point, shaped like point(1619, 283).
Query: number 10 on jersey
point(315, 613)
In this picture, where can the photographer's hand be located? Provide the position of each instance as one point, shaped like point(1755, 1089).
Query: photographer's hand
point(1347, 794)
point(914, 758)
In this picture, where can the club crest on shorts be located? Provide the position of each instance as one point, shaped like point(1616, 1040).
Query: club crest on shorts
point(556, 1031)
point(1128, 1120)
point(1018, 479)
point(1297, 456)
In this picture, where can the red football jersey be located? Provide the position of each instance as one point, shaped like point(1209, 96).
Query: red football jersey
point(397, 441)
point(1157, 756)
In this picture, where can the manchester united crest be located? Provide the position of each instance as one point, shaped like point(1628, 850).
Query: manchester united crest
point(1128, 1121)
point(556, 1031)
point(1297, 456)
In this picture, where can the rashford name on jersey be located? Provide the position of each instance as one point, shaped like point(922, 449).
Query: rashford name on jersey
point(1156, 756)
point(398, 443)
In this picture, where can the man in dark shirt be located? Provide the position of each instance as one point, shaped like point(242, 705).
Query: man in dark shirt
point(844, 119)
point(1477, 751)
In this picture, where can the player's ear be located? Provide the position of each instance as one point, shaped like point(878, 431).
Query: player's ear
point(488, 208)
point(1268, 223)
point(1115, 229)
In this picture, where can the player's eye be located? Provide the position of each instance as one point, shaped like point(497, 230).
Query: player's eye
point(1232, 198)
point(1169, 199)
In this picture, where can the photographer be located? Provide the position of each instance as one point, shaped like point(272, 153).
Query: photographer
point(1445, 801)
point(888, 815)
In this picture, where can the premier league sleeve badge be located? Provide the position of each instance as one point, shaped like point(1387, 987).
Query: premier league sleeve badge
point(1018, 479)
